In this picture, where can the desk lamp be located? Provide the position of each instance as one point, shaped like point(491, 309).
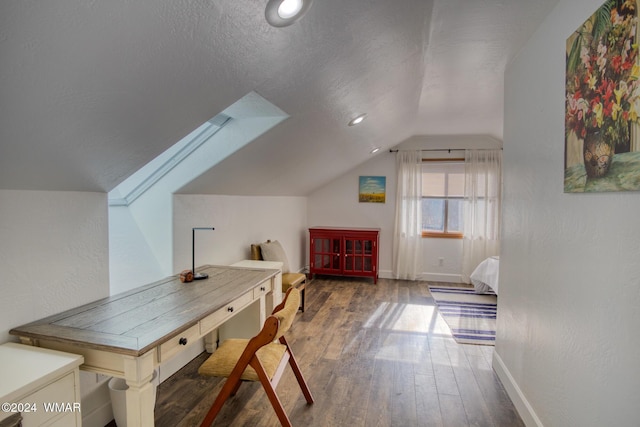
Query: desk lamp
point(196, 276)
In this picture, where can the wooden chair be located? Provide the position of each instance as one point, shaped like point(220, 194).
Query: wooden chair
point(296, 280)
point(262, 358)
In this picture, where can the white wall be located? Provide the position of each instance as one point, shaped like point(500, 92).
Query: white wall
point(132, 261)
point(53, 253)
point(153, 210)
point(567, 339)
point(141, 234)
point(54, 256)
point(336, 204)
point(239, 221)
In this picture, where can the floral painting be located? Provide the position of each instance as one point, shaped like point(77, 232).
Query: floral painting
point(602, 133)
point(372, 189)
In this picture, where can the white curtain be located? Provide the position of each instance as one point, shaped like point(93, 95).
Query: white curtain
point(482, 208)
point(407, 241)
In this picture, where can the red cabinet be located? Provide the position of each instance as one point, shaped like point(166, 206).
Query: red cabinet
point(344, 251)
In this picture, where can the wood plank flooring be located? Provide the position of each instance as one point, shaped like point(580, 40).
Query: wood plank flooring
point(373, 355)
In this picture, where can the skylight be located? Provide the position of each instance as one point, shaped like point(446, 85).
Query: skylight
point(143, 179)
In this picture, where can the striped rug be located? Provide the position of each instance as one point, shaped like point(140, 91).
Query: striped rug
point(470, 316)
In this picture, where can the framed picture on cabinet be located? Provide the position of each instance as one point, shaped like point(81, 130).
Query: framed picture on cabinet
point(372, 189)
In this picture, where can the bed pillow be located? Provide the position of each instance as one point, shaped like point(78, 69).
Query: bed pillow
point(273, 251)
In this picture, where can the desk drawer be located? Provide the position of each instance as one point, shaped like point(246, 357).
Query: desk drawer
point(178, 342)
point(263, 289)
point(216, 318)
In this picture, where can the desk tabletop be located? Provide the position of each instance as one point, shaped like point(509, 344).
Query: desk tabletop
point(136, 321)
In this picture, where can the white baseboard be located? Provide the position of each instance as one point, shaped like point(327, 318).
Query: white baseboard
point(440, 277)
point(518, 398)
point(432, 277)
point(99, 417)
point(385, 274)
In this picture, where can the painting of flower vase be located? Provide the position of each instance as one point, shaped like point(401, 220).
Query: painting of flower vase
point(602, 131)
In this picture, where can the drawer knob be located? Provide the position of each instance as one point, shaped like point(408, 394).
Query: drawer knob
point(230, 309)
point(182, 341)
point(262, 288)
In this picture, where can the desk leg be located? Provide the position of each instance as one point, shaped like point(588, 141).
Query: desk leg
point(263, 311)
point(211, 341)
point(138, 372)
point(276, 285)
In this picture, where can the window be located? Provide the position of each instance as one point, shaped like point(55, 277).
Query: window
point(442, 198)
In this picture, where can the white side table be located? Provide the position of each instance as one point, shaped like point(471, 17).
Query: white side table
point(42, 384)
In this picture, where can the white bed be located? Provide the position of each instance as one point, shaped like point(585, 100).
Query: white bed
point(485, 277)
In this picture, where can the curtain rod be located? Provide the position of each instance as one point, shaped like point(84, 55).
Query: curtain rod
point(446, 149)
point(431, 149)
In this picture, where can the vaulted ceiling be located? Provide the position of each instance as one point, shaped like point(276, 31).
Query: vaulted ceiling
point(90, 91)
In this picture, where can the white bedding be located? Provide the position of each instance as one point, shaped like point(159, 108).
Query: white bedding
point(485, 277)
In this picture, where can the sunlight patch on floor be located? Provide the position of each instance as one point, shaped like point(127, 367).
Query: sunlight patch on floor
point(414, 318)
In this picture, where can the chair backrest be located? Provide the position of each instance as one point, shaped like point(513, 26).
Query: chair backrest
point(268, 365)
point(278, 323)
point(286, 311)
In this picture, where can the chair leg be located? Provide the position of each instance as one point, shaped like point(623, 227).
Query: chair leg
point(271, 394)
point(277, 405)
point(236, 388)
point(227, 390)
point(298, 373)
point(302, 300)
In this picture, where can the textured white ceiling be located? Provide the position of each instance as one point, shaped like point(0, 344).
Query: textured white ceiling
point(90, 91)
point(470, 45)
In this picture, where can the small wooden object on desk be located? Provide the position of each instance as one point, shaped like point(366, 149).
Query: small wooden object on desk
point(33, 377)
point(186, 276)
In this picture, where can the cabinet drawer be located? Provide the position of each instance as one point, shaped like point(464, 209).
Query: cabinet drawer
point(68, 419)
point(263, 289)
point(177, 343)
point(61, 391)
point(216, 318)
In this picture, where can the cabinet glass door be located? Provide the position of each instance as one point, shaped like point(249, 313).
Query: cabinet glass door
point(348, 258)
point(368, 256)
point(358, 255)
point(326, 253)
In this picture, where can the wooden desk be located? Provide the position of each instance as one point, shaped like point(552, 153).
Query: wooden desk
point(129, 334)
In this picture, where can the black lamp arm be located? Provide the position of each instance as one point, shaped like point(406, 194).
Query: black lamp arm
point(198, 276)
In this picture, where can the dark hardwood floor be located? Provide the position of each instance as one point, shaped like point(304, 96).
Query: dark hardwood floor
point(373, 355)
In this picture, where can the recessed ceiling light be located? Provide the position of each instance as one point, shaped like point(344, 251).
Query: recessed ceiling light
point(357, 120)
point(280, 13)
point(289, 8)
point(375, 150)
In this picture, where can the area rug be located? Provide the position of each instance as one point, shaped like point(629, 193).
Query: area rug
point(471, 317)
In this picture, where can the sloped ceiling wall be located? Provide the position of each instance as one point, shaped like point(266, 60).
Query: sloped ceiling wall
point(90, 91)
